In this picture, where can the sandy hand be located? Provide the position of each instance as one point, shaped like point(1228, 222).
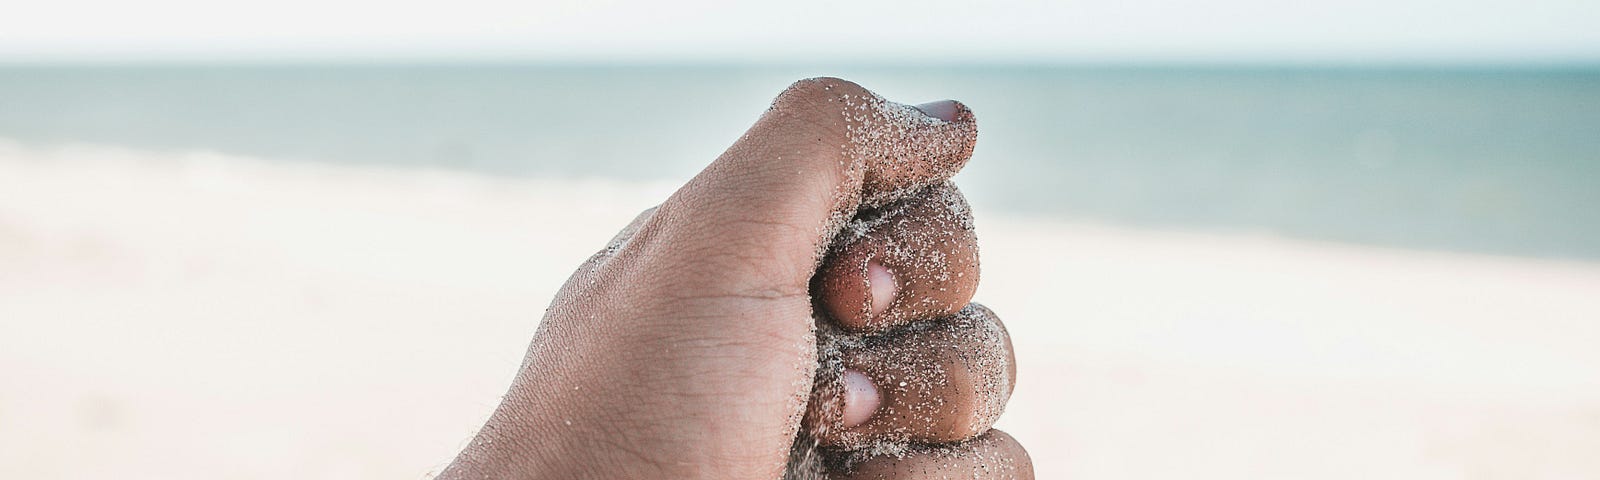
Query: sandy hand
point(909, 371)
point(687, 348)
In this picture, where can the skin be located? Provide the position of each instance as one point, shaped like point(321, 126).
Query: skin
point(687, 347)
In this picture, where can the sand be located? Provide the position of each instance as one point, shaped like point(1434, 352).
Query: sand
point(191, 315)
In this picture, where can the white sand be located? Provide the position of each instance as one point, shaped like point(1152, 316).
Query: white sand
point(172, 315)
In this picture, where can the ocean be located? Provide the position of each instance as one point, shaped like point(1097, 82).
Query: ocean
point(1492, 160)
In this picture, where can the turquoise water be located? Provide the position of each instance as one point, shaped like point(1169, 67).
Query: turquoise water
point(1499, 161)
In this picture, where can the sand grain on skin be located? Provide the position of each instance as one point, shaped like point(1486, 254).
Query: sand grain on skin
point(902, 160)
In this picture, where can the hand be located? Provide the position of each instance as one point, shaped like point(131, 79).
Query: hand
point(687, 348)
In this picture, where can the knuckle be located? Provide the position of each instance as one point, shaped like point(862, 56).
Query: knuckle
point(818, 99)
point(821, 89)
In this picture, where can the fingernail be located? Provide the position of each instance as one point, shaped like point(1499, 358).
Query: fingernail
point(882, 284)
point(944, 109)
point(860, 398)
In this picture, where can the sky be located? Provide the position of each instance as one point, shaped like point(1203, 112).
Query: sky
point(1344, 31)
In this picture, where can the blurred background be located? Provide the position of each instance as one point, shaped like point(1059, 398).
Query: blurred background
point(1232, 239)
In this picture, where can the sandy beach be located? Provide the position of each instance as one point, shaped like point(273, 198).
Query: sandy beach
point(195, 315)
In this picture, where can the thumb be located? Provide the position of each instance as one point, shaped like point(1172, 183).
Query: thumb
point(764, 212)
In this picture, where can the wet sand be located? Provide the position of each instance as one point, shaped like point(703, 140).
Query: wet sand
point(175, 315)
